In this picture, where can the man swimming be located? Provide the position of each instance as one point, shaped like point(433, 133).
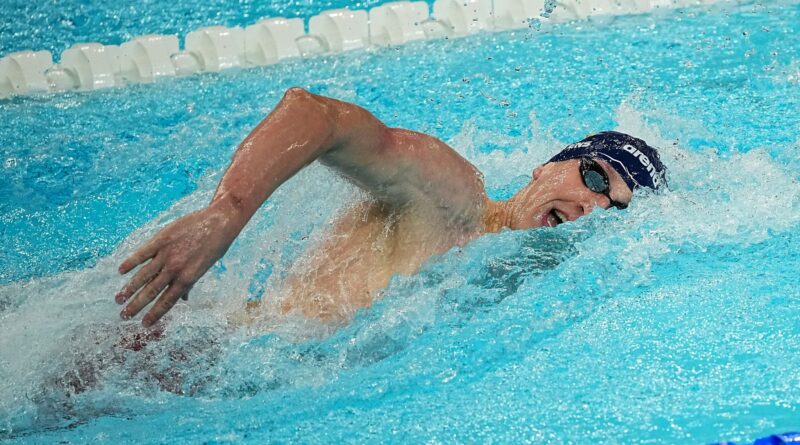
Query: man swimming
point(426, 199)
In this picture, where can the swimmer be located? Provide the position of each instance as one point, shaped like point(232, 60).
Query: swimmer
point(425, 200)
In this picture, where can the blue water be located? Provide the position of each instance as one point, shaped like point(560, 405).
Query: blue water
point(55, 25)
point(671, 322)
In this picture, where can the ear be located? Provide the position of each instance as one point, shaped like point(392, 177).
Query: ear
point(537, 171)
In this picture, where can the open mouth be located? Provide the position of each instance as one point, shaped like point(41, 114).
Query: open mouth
point(555, 218)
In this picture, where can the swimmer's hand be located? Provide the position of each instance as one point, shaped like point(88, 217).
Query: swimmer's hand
point(175, 259)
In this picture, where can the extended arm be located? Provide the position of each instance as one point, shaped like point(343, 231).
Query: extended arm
point(399, 167)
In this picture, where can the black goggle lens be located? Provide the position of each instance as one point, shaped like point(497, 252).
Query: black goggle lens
point(595, 179)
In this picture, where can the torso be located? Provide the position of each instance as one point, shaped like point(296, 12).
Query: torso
point(366, 247)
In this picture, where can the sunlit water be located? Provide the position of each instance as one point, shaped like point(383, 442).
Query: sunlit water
point(674, 321)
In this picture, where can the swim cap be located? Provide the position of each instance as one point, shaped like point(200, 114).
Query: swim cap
point(634, 160)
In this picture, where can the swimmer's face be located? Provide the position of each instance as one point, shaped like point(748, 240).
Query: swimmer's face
point(558, 194)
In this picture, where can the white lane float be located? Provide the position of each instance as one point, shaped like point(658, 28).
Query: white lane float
point(23, 72)
point(341, 29)
point(148, 58)
point(271, 40)
point(216, 47)
point(93, 65)
point(465, 16)
point(396, 23)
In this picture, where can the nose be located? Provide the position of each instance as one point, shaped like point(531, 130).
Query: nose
point(591, 200)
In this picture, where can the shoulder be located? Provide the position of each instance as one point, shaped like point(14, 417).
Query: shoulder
point(445, 185)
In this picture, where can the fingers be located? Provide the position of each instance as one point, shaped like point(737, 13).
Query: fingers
point(141, 278)
point(145, 296)
point(140, 256)
point(165, 303)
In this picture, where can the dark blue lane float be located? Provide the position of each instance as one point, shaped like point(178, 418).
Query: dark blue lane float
point(776, 439)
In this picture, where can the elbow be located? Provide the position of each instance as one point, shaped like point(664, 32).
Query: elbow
point(308, 99)
point(296, 93)
point(296, 97)
point(309, 102)
point(318, 109)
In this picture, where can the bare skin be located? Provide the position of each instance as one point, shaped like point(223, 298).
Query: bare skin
point(426, 200)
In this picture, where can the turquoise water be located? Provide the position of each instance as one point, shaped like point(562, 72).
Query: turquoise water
point(55, 25)
point(671, 322)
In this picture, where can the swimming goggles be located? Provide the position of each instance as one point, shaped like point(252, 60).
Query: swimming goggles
point(596, 180)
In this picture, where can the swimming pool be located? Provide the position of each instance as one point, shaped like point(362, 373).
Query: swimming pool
point(672, 322)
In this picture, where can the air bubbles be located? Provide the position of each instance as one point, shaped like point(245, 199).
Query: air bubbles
point(548, 8)
point(447, 375)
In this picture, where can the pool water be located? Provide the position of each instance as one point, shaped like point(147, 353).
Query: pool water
point(674, 321)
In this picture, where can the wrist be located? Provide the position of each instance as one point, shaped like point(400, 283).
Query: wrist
point(233, 209)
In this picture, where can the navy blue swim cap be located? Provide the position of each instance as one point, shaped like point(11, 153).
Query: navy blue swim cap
point(634, 160)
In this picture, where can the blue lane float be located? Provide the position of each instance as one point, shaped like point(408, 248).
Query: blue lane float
point(775, 439)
